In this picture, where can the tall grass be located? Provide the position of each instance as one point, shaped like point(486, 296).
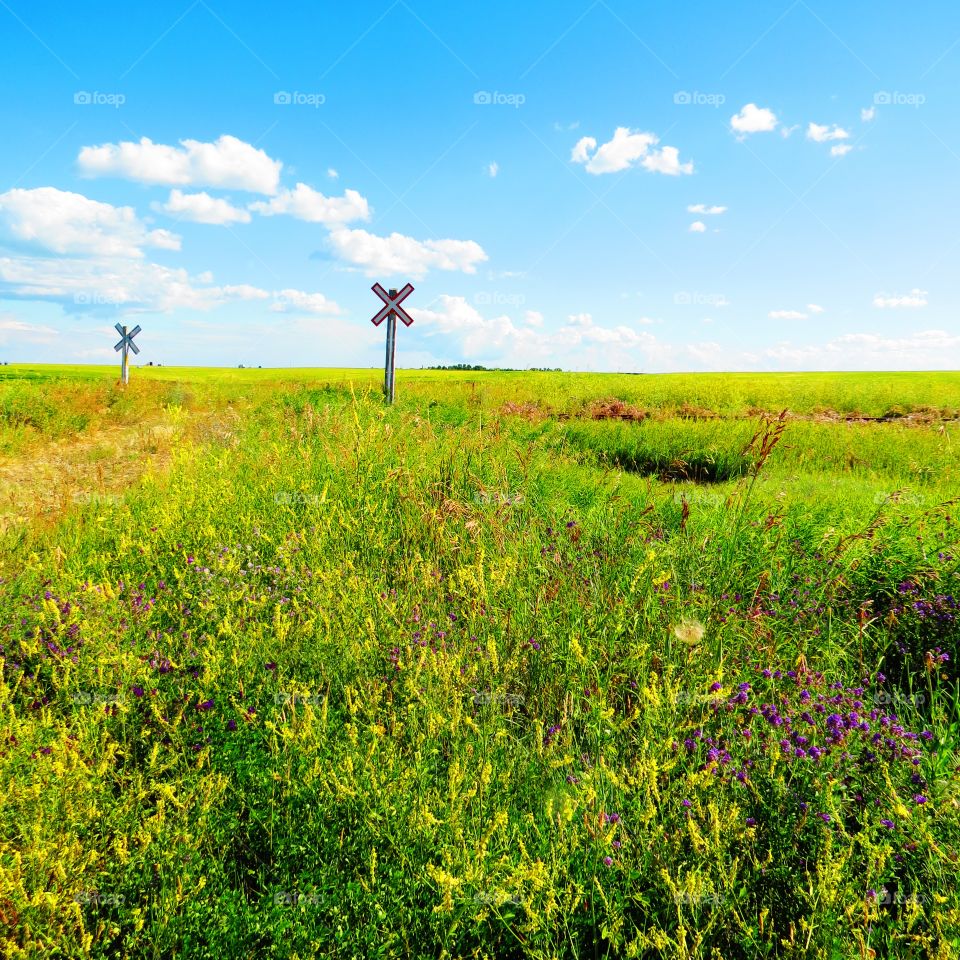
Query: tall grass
point(440, 680)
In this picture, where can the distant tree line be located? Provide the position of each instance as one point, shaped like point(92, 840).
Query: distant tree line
point(479, 366)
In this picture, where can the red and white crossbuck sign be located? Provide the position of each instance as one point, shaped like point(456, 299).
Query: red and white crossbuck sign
point(390, 311)
point(392, 304)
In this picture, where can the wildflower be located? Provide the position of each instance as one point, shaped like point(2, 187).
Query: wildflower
point(887, 823)
point(206, 705)
point(686, 803)
point(608, 861)
point(617, 844)
point(138, 691)
point(751, 822)
point(271, 666)
point(714, 687)
point(919, 799)
point(825, 817)
point(231, 724)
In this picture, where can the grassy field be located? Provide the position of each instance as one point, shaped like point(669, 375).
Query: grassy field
point(527, 665)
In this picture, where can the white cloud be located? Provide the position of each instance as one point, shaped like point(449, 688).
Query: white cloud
point(296, 301)
point(786, 315)
point(399, 254)
point(926, 340)
point(332, 174)
point(12, 329)
point(628, 148)
point(814, 308)
point(666, 160)
point(70, 223)
point(822, 133)
point(840, 149)
point(202, 208)
point(226, 162)
point(305, 203)
point(702, 208)
point(467, 335)
point(926, 350)
point(916, 298)
point(698, 226)
point(786, 131)
point(534, 318)
point(868, 113)
point(582, 149)
point(754, 119)
point(130, 285)
point(493, 169)
point(580, 344)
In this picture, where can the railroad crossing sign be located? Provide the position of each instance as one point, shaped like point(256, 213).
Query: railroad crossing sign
point(389, 312)
point(125, 345)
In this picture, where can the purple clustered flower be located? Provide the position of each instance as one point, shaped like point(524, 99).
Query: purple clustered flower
point(807, 720)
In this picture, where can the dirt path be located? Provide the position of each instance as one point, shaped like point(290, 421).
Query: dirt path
point(43, 482)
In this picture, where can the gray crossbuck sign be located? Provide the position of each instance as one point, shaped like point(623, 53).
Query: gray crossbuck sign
point(125, 345)
point(126, 338)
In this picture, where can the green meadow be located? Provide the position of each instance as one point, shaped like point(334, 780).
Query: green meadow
point(526, 665)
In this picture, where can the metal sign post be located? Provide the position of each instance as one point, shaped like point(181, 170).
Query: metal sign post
point(125, 345)
point(389, 312)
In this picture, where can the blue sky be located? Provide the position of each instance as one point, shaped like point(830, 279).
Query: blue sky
point(589, 185)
